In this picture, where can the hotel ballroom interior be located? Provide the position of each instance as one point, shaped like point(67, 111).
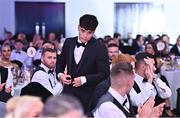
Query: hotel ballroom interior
point(89, 58)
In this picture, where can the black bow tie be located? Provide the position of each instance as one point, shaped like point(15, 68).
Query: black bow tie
point(50, 71)
point(80, 44)
point(144, 80)
point(124, 103)
point(18, 52)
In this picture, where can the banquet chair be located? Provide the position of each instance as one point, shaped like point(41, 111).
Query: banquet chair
point(36, 89)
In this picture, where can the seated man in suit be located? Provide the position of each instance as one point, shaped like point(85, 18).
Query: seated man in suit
point(113, 50)
point(116, 102)
point(45, 74)
point(176, 48)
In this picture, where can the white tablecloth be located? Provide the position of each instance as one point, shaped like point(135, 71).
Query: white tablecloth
point(173, 78)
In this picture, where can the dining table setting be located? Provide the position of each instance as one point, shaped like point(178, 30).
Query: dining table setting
point(171, 70)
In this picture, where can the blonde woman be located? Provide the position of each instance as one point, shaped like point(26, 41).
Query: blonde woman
point(6, 84)
point(24, 107)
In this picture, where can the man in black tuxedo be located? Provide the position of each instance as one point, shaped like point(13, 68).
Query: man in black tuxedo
point(86, 60)
point(176, 48)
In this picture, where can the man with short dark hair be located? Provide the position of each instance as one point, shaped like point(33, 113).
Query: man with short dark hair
point(113, 50)
point(86, 60)
point(118, 40)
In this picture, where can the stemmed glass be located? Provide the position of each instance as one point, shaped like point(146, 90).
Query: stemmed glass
point(15, 75)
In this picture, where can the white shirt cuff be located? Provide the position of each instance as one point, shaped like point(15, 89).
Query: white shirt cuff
point(59, 74)
point(83, 80)
point(160, 83)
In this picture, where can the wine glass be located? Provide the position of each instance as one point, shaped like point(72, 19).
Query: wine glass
point(14, 74)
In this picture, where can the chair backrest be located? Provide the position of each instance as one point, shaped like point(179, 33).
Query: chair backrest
point(36, 89)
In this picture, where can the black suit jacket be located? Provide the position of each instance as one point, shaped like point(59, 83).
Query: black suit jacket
point(4, 75)
point(99, 91)
point(94, 65)
point(175, 50)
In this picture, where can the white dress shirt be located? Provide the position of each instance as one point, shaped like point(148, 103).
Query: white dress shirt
point(78, 51)
point(147, 90)
point(163, 90)
point(38, 54)
point(22, 57)
point(109, 109)
point(49, 81)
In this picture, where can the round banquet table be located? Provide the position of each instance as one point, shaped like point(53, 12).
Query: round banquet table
point(173, 78)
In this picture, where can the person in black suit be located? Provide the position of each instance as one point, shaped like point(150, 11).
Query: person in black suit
point(86, 60)
point(176, 48)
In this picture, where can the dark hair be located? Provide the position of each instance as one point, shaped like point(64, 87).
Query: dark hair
point(48, 50)
point(121, 67)
point(113, 45)
point(88, 22)
point(163, 35)
point(100, 40)
point(141, 56)
point(18, 63)
point(153, 44)
point(116, 35)
point(138, 36)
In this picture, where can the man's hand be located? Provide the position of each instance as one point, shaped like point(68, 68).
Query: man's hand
point(64, 80)
point(77, 82)
point(9, 89)
point(149, 72)
point(157, 111)
point(1, 86)
point(147, 109)
point(149, 75)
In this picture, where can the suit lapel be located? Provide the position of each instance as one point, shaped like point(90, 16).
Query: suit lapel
point(71, 52)
point(86, 52)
